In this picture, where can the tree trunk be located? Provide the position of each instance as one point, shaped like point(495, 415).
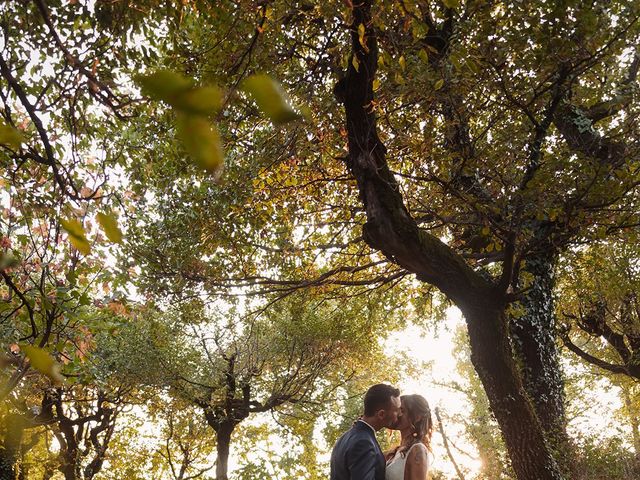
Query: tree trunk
point(223, 442)
point(534, 342)
point(10, 445)
point(391, 229)
point(68, 451)
point(635, 423)
point(491, 355)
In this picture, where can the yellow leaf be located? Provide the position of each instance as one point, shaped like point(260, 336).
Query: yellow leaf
point(43, 362)
point(270, 98)
point(451, 3)
point(376, 84)
point(355, 63)
point(361, 32)
point(11, 137)
point(199, 101)
point(473, 66)
point(402, 62)
point(438, 85)
point(164, 84)
point(202, 142)
point(110, 227)
point(77, 236)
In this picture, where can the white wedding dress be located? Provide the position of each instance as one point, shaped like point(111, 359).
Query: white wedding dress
point(395, 466)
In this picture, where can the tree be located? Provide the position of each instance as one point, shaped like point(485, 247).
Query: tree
point(485, 139)
point(391, 229)
point(480, 426)
point(519, 167)
point(290, 357)
point(51, 179)
point(187, 444)
point(599, 297)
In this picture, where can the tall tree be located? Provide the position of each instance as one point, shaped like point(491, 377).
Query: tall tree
point(293, 355)
point(600, 304)
point(484, 140)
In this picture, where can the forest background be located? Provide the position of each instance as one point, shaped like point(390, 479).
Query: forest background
point(223, 220)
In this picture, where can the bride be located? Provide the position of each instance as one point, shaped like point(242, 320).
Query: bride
point(410, 459)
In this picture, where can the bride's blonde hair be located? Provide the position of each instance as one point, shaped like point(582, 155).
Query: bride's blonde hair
point(417, 409)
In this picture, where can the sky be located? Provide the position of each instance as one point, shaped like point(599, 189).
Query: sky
point(595, 411)
point(436, 350)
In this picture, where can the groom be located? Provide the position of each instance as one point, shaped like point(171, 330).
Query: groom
point(357, 455)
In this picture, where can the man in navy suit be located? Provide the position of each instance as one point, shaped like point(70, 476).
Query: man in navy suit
point(357, 455)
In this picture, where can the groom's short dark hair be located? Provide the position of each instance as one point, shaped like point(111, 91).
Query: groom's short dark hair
point(378, 397)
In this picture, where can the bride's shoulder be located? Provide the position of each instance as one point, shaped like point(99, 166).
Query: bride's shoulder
point(418, 449)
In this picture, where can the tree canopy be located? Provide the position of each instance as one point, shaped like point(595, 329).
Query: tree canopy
point(226, 206)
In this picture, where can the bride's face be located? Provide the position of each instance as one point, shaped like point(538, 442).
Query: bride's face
point(403, 419)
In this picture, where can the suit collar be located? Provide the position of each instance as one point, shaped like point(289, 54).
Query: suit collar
point(362, 422)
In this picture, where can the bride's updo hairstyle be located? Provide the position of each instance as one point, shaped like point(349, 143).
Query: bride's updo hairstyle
point(416, 408)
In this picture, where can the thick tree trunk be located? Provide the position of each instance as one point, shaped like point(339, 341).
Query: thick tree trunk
point(69, 451)
point(223, 443)
point(391, 230)
point(492, 357)
point(534, 342)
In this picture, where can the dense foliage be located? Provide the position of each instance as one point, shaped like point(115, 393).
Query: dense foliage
point(216, 211)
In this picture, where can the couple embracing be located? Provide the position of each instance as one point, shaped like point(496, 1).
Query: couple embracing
point(357, 455)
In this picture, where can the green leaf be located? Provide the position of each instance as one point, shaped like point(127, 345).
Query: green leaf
point(11, 137)
point(77, 236)
point(473, 66)
point(199, 101)
point(438, 85)
point(164, 85)
point(202, 142)
point(7, 260)
point(270, 98)
point(451, 3)
point(110, 227)
point(43, 362)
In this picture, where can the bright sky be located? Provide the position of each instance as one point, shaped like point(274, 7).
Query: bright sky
point(437, 350)
point(596, 409)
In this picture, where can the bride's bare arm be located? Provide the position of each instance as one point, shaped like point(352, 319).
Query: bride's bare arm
point(417, 464)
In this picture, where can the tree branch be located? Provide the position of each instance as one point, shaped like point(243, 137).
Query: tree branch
point(389, 227)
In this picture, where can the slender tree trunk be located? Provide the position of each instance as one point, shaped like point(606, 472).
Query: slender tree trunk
point(10, 445)
point(445, 441)
point(534, 342)
point(492, 357)
point(635, 423)
point(223, 443)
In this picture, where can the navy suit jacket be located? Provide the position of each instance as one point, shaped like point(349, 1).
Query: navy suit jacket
point(357, 455)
